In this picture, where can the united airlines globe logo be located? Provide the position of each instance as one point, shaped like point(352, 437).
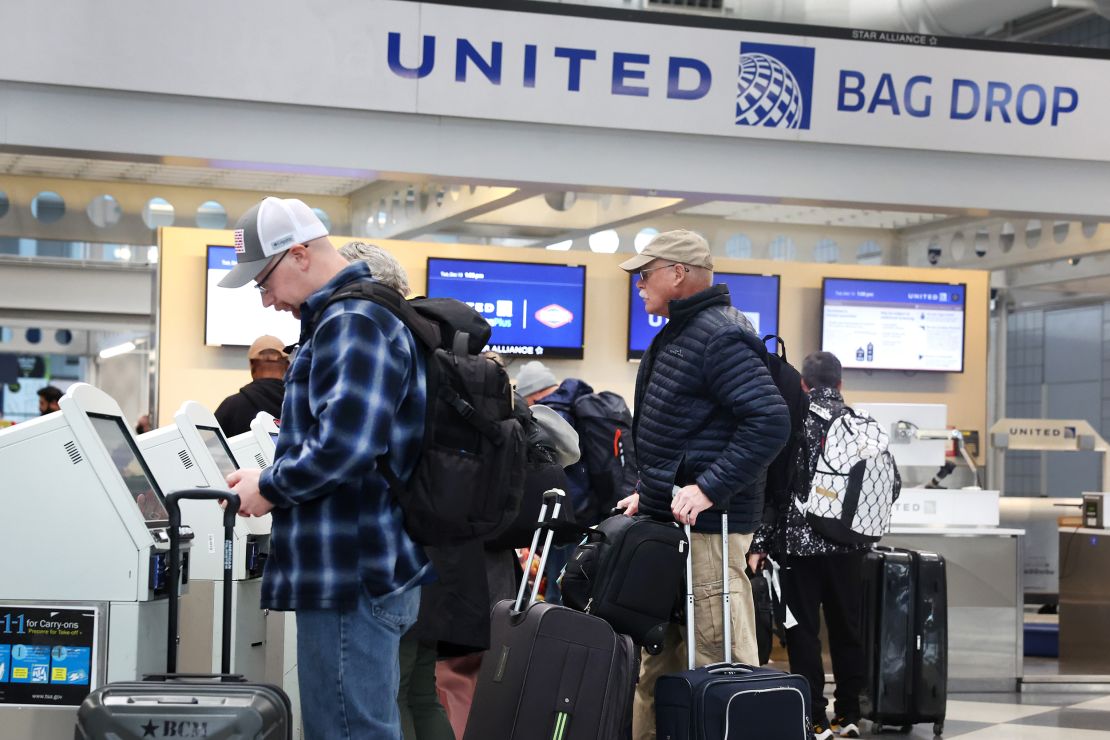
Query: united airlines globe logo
point(775, 86)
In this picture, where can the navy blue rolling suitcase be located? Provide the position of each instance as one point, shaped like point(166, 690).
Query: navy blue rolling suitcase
point(189, 705)
point(729, 701)
point(905, 637)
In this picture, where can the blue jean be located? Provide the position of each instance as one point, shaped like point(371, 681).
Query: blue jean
point(348, 666)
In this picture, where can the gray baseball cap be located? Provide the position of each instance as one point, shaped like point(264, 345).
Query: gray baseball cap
point(680, 245)
point(270, 228)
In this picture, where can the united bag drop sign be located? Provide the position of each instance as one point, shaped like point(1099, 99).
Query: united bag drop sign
point(840, 87)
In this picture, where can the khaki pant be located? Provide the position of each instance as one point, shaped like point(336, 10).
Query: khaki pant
point(705, 550)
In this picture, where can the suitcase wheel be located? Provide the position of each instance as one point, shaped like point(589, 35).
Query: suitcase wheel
point(938, 729)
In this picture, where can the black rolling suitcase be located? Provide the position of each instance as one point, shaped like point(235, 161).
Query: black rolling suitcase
point(729, 701)
point(905, 637)
point(189, 705)
point(552, 673)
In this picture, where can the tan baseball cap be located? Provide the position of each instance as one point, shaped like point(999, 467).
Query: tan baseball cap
point(263, 343)
point(680, 245)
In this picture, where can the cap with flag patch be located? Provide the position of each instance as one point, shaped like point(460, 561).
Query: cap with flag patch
point(270, 228)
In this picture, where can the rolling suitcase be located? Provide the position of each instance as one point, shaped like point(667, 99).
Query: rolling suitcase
point(905, 637)
point(729, 701)
point(552, 672)
point(189, 705)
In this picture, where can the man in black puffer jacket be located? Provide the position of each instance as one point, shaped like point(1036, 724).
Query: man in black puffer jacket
point(708, 420)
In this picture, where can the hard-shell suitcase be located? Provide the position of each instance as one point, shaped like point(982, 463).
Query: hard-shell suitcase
point(729, 701)
point(905, 636)
point(628, 571)
point(189, 705)
point(552, 672)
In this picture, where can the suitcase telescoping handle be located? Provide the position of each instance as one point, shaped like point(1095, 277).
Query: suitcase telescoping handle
point(554, 500)
point(174, 509)
point(726, 597)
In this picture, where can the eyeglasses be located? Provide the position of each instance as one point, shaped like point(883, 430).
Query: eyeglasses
point(260, 285)
point(644, 273)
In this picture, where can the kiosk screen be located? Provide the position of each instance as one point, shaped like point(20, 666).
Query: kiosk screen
point(219, 450)
point(122, 450)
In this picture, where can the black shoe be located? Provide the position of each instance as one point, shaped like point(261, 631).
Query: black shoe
point(821, 729)
point(846, 726)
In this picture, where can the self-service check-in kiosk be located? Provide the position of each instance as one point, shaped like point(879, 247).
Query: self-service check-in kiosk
point(259, 443)
point(193, 452)
point(84, 546)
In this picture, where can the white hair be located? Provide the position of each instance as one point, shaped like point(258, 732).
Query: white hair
point(383, 266)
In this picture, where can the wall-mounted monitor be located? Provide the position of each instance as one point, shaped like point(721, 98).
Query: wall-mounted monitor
point(235, 317)
point(894, 325)
point(756, 295)
point(535, 309)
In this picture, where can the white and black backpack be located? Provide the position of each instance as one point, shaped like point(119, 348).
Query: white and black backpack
point(856, 482)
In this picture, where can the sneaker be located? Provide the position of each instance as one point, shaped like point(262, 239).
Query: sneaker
point(821, 730)
point(845, 727)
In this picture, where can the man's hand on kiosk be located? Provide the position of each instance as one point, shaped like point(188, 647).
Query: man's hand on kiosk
point(244, 482)
point(688, 502)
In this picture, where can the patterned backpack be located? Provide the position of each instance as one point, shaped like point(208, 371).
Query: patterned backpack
point(856, 482)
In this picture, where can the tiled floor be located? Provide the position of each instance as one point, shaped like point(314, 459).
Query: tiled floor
point(1025, 716)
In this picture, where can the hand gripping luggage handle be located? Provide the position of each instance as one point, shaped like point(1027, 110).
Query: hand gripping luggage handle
point(554, 499)
point(726, 615)
point(174, 509)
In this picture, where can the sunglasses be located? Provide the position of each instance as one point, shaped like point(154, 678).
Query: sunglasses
point(644, 273)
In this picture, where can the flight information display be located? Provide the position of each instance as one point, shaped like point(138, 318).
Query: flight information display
point(757, 296)
point(122, 450)
point(235, 317)
point(534, 309)
point(894, 325)
point(218, 449)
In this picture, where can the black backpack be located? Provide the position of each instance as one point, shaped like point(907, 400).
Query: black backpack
point(787, 475)
point(542, 472)
point(469, 479)
point(604, 425)
point(628, 571)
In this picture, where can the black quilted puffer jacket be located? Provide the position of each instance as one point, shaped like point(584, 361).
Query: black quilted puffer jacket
point(707, 412)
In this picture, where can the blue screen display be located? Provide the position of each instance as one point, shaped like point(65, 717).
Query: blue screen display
point(894, 325)
point(756, 295)
point(534, 309)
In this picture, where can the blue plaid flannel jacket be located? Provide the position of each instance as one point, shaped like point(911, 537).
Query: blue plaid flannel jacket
point(355, 390)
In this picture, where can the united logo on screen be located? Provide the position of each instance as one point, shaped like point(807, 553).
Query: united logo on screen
point(553, 316)
point(775, 88)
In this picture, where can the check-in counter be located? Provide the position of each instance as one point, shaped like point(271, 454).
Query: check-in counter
point(984, 567)
point(1084, 601)
point(1040, 518)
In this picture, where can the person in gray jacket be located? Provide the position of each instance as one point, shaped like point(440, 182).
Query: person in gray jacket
point(708, 421)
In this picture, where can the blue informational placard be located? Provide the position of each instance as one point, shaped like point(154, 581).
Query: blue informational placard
point(47, 654)
point(535, 309)
point(894, 325)
point(756, 295)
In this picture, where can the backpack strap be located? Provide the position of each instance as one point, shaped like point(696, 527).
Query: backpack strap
point(423, 330)
point(780, 345)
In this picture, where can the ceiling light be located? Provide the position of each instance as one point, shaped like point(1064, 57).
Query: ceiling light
point(119, 349)
point(560, 246)
point(605, 242)
point(644, 238)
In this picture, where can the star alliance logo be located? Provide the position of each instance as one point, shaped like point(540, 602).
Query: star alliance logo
point(775, 87)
